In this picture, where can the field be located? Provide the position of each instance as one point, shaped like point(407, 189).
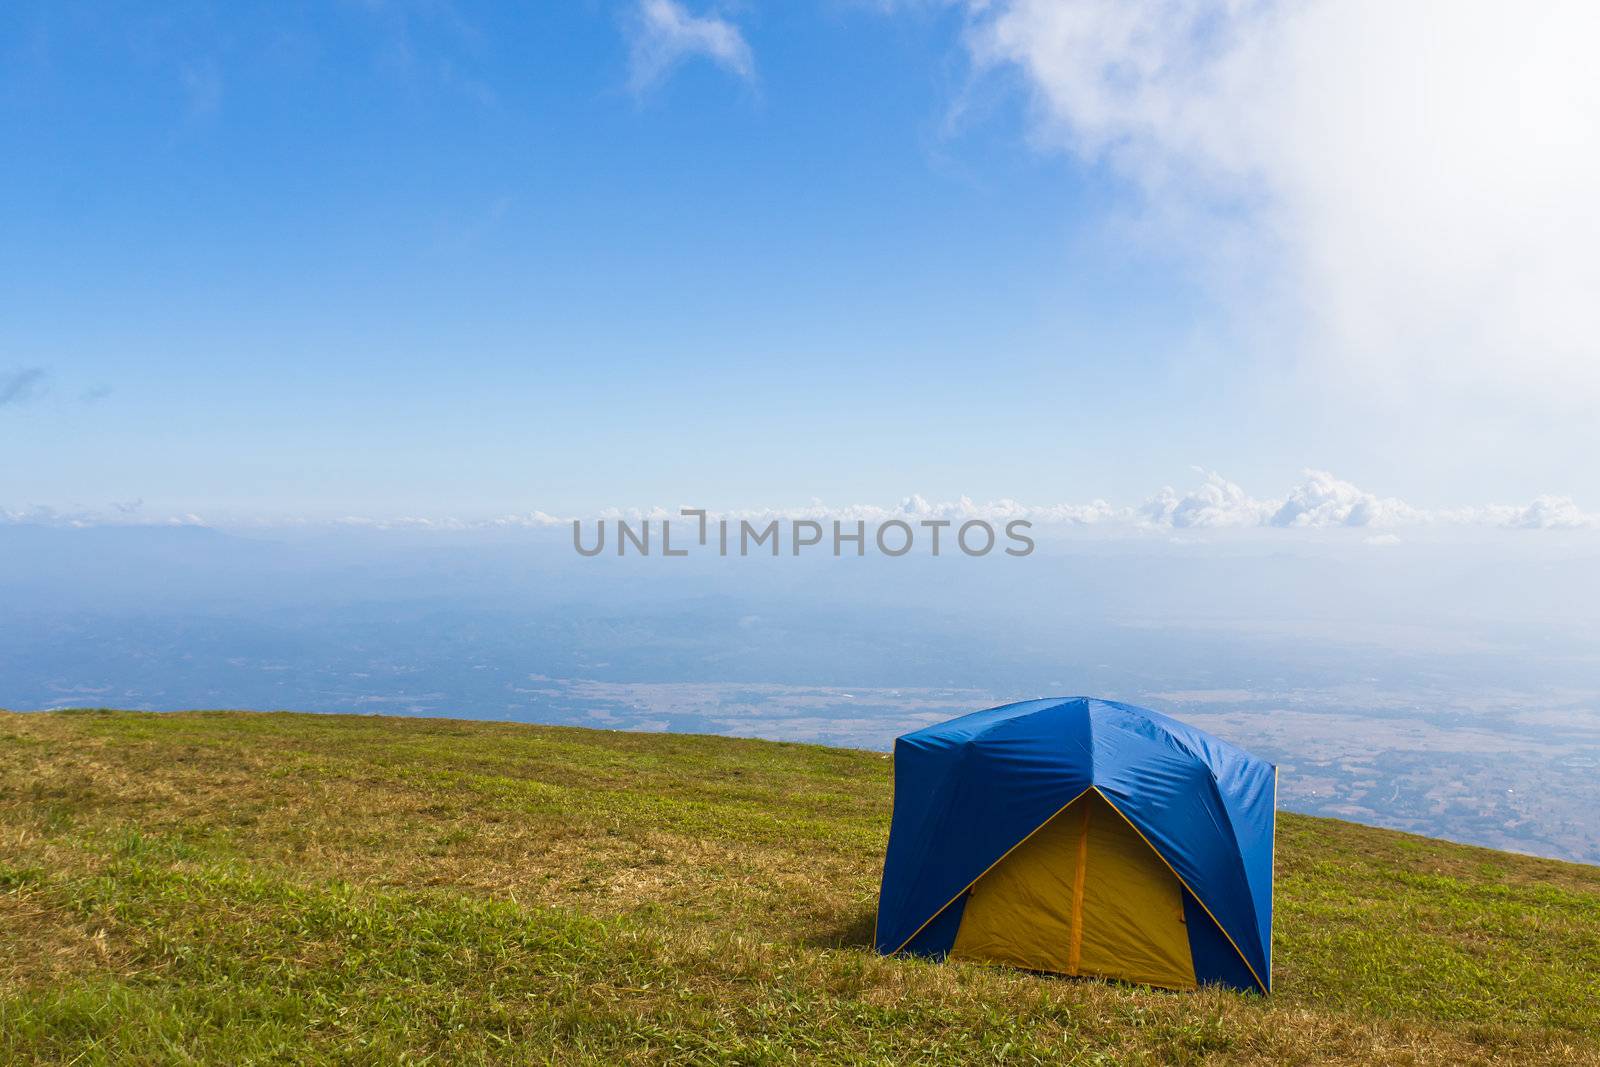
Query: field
point(237, 888)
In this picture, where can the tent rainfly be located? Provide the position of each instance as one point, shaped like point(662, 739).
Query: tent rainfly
point(1082, 837)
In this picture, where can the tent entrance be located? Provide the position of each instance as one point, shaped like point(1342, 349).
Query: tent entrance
point(1084, 895)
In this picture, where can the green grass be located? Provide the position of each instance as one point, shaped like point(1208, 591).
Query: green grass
point(237, 888)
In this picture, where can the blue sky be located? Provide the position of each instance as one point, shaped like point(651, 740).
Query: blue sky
point(1325, 268)
point(390, 258)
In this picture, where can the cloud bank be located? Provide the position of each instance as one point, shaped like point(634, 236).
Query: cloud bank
point(663, 34)
point(1318, 501)
point(1409, 188)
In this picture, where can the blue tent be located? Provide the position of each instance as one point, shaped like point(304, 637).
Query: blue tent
point(1082, 836)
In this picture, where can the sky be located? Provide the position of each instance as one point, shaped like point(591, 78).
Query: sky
point(297, 262)
point(320, 322)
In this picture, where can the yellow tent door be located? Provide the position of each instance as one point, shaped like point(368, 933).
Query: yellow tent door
point(1084, 895)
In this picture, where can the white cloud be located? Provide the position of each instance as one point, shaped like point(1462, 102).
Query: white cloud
point(663, 34)
point(42, 515)
point(1319, 501)
point(1216, 502)
point(1553, 513)
point(532, 520)
point(1410, 186)
point(1323, 500)
point(1544, 513)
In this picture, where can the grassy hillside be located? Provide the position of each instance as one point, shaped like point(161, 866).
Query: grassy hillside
point(228, 888)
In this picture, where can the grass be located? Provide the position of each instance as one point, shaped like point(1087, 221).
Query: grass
point(251, 888)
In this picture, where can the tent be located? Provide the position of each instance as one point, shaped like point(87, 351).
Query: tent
point(1082, 837)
